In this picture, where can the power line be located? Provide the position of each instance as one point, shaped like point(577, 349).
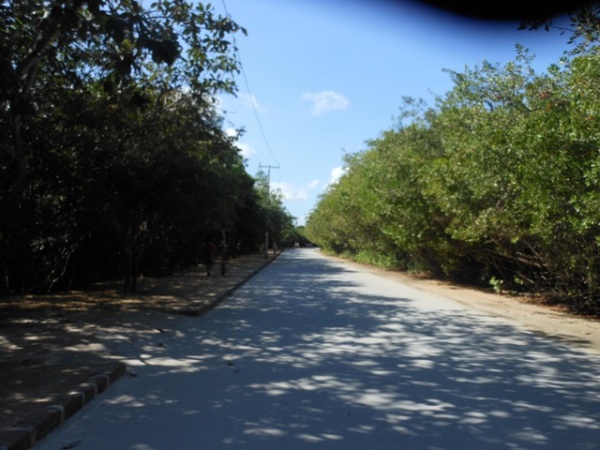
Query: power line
point(262, 132)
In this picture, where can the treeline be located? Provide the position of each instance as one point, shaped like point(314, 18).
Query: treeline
point(113, 157)
point(497, 184)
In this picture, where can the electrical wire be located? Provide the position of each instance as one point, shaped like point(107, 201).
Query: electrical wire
point(260, 127)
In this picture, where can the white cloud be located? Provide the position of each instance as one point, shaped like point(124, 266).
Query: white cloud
point(250, 101)
point(313, 184)
point(290, 192)
point(326, 101)
point(294, 193)
point(231, 132)
point(245, 149)
point(336, 174)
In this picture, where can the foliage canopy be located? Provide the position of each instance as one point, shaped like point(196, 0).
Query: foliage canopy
point(496, 184)
point(113, 158)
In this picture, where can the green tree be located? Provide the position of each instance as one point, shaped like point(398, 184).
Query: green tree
point(106, 122)
point(582, 29)
point(496, 184)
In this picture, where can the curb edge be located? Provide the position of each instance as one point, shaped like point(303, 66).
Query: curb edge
point(33, 428)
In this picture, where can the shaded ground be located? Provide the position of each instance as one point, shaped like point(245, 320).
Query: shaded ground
point(51, 345)
point(318, 354)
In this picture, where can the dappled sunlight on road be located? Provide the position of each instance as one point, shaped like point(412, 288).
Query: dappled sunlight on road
point(312, 354)
point(311, 349)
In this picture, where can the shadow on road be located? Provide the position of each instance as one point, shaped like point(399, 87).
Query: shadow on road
point(305, 357)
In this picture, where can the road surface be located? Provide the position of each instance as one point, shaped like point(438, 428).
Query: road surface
point(316, 354)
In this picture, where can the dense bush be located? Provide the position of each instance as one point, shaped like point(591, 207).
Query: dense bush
point(497, 184)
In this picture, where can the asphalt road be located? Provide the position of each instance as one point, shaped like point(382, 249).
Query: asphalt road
point(313, 353)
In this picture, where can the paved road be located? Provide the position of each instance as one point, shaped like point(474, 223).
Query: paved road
point(314, 354)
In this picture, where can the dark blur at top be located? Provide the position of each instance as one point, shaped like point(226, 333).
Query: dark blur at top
point(503, 10)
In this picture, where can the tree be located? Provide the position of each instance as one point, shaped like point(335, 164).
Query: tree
point(497, 184)
point(94, 94)
point(276, 220)
point(579, 21)
point(113, 41)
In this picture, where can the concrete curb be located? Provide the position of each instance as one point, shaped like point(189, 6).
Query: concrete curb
point(33, 428)
point(236, 286)
point(202, 309)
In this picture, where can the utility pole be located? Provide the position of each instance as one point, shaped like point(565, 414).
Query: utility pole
point(268, 167)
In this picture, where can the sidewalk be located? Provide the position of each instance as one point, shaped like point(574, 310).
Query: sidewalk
point(58, 352)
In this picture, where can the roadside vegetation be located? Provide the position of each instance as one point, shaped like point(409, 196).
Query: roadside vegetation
point(113, 157)
point(497, 184)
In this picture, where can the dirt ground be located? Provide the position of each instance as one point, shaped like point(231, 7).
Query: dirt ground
point(49, 345)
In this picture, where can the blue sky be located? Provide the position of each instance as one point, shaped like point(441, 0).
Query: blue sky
point(326, 76)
